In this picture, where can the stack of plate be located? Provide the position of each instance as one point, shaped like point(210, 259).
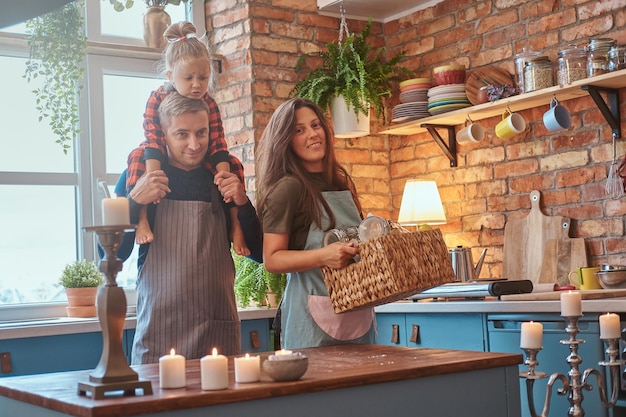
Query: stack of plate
point(446, 98)
point(414, 98)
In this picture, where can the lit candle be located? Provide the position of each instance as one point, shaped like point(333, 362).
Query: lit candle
point(283, 354)
point(532, 334)
point(115, 211)
point(247, 369)
point(609, 326)
point(172, 370)
point(214, 371)
point(571, 305)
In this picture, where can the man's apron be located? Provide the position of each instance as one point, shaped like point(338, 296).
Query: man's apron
point(185, 296)
point(307, 317)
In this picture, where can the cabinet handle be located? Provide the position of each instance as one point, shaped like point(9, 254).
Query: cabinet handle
point(395, 334)
point(254, 339)
point(415, 333)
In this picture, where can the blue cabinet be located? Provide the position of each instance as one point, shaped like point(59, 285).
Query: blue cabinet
point(447, 331)
point(391, 329)
point(255, 336)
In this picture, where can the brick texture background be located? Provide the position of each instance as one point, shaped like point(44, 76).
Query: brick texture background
point(261, 40)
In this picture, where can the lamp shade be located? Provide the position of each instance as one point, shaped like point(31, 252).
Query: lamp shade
point(421, 204)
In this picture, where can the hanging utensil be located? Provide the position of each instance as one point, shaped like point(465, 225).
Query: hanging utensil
point(614, 186)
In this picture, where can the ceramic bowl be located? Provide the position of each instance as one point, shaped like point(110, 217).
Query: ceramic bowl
point(455, 76)
point(452, 67)
point(612, 279)
point(286, 369)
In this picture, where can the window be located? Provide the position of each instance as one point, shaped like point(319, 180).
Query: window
point(48, 197)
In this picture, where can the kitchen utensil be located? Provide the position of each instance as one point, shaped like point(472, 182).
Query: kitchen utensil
point(511, 125)
point(556, 295)
point(557, 117)
point(612, 279)
point(463, 265)
point(585, 278)
point(614, 186)
point(562, 255)
point(481, 77)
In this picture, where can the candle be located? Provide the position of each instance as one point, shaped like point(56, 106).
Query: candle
point(532, 334)
point(283, 354)
point(172, 370)
point(610, 326)
point(571, 305)
point(115, 211)
point(247, 369)
point(214, 371)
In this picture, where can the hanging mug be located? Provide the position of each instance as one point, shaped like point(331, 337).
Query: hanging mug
point(471, 133)
point(511, 125)
point(557, 118)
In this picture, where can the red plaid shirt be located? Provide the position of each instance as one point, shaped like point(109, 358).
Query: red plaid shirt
point(155, 138)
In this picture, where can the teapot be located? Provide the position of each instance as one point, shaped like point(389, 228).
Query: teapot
point(463, 265)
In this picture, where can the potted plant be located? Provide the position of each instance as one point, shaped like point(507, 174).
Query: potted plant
point(254, 284)
point(353, 74)
point(81, 280)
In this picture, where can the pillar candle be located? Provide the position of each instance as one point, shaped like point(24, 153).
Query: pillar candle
point(172, 370)
point(115, 211)
point(609, 326)
point(247, 369)
point(571, 305)
point(214, 371)
point(283, 354)
point(532, 335)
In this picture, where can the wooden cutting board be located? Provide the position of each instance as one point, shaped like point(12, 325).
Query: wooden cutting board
point(556, 295)
point(569, 253)
point(489, 75)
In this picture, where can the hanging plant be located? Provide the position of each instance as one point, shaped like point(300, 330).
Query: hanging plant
point(118, 5)
point(57, 45)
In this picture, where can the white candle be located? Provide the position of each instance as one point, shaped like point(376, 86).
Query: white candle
point(283, 354)
point(532, 335)
point(247, 369)
point(571, 305)
point(214, 371)
point(172, 370)
point(115, 211)
point(610, 326)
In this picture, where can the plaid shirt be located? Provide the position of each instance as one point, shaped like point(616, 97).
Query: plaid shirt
point(155, 138)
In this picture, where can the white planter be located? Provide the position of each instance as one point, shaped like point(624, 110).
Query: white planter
point(346, 123)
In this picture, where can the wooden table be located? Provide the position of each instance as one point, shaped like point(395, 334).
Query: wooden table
point(363, 380)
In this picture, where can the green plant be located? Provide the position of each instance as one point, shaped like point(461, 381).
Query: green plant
point(253, 282)
point(352, 70)
point(57, 46)
point(118, 5)
point(81, 274)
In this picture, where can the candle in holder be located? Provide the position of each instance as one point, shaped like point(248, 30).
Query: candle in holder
point(214, 371)
point(532, 335)
point(609, 326)
point(172, 370)
point(115, 211)
point(571, 305)
point(247, 369)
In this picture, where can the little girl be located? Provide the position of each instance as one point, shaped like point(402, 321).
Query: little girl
point(187, 65)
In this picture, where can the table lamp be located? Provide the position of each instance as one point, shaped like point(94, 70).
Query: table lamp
point(421, 205)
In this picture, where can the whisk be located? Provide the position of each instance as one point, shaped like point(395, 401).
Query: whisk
point(614, 186)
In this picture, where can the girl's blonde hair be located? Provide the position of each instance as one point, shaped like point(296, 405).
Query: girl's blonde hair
point(183, 44)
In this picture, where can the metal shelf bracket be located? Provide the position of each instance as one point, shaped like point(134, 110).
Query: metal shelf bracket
point(610, 111)
point(450, 148)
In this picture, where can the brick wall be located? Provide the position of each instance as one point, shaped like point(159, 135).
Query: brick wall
point(494, 177)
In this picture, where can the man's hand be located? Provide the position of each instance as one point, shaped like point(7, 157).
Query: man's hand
point(151, 188)
point(231, 188)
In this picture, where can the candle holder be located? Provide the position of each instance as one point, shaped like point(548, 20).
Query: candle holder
point(112, 372)
point(574, 385)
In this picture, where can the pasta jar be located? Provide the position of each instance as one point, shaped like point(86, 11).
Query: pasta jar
point(598, 56)
point(520, 62)
point(571, 65)
point(538, 74)
point(617, 58)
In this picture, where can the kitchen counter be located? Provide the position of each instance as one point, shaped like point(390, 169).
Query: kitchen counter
point(364, 380)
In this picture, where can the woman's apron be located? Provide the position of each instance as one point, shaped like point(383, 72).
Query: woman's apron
point(185, 296)
point(307, 317)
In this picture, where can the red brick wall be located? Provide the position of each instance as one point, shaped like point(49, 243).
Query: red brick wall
point(494, 177)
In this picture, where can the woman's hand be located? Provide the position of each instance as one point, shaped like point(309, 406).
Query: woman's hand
point(339, 254)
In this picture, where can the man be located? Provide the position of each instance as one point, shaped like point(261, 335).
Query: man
point(185, 295)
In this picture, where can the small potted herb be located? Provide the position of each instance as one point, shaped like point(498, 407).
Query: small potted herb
point(255, 285)
point(81, 280)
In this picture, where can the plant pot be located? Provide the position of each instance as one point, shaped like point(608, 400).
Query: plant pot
point(272, 300)
point(346, 124)
point(155, 21)
point(81, 302)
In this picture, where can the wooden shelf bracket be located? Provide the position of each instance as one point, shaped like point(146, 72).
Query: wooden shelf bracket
point(450, 148)
point(610, 111)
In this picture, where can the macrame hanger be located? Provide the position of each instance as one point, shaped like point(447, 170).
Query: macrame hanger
point(343, 26)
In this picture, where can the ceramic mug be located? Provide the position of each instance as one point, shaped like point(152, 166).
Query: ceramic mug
point(557, 118)
point(585, 278)
point(511, 125)
point(471, 133)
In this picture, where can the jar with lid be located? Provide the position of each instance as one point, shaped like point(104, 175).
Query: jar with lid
point(571, 65)
point(538, 74)
point(617, 58)
point(520, 62)
point(598, 56)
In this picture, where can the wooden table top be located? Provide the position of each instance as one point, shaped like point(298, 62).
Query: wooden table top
point(330, 367)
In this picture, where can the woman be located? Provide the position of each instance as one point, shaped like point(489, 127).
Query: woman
point(303, 192)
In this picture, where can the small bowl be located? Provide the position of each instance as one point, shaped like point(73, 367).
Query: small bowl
point(456, 76)
point(452, 67)
point(286, 369)
point(612, 279)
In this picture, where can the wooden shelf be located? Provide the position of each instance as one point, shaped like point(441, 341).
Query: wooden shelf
point(612, 80)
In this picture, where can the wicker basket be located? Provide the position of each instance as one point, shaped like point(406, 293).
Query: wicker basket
point(391, 268)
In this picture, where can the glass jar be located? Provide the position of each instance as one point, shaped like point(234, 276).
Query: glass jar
point(571, 65)
point(520, 62)
point(617, 58)
point(340, 235)
point(598, 56)
point(538, 74)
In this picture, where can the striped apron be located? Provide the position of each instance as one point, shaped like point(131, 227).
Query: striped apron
point(185, 296)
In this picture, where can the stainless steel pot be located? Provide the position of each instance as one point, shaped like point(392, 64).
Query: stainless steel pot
point(611, 279)
point(463, 265)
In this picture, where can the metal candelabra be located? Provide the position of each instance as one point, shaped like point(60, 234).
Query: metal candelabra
point(113, 372)
point(577, 382)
